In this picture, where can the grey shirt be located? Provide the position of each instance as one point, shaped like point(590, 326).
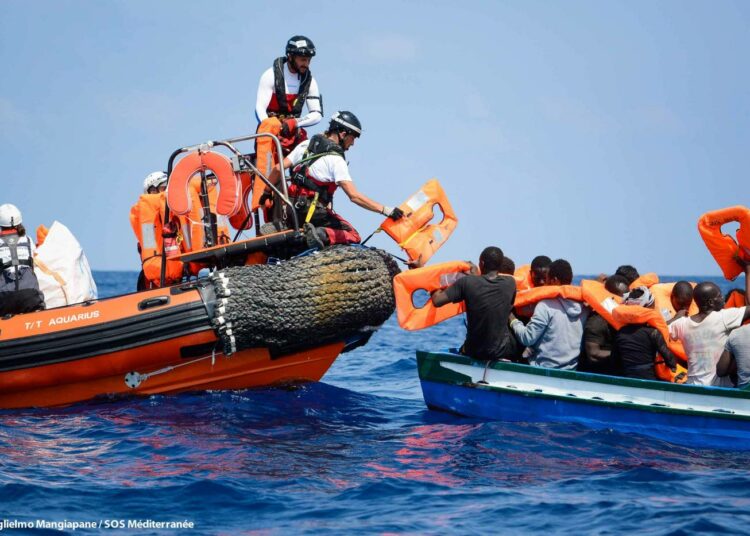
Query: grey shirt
point(738, 344)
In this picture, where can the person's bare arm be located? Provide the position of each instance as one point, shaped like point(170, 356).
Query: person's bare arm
point(726, 364)
point(440, 298)
point(595, 351)
point(275, 176)
point(358, 198)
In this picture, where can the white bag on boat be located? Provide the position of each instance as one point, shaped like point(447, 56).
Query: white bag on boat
point(62, 269)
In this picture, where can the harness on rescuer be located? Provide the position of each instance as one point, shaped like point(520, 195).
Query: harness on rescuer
point(10, 241)
point(286, 107)
point(319, 147)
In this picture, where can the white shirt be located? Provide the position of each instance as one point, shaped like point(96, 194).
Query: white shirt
point(292, 83)
point(704, 342)
point(328, 168)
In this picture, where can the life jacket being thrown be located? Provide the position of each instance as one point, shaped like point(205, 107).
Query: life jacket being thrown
point(429, 279)
point(147, 221)
point(723, 248)
point(635, 314)
point(414, 232)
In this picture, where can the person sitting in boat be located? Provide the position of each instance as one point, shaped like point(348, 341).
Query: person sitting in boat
point(535, 274)
point(638, 344)
point(628, 272)
point(508, 267)
point(681, 299)
point(488, 296)
point(319, 169)
point(599, 355)
point(735, 359)
point(284, 89)
point(704, 335)
point(19, 288)
point(555, 330)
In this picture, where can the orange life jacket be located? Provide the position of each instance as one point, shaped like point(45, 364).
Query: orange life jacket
point(601, 300)
point(537, 294)
point(662, 293)
point(723, 248)
point(646, 280)
point(414, 233)
point(522, 276)
point(146, 219)
point(41, 234)
point(179, 196)
point(246, 187)
point(736, 299)
point(428, 278)
point(635, 314)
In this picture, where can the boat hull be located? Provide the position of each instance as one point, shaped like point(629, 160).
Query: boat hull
point(688, 415)
point(121, 347)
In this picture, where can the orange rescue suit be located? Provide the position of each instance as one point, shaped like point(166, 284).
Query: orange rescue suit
point(146, 219)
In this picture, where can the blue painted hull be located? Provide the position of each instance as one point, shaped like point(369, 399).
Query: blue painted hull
point(693, 430)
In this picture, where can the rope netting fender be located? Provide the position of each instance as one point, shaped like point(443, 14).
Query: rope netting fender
point(322, 297)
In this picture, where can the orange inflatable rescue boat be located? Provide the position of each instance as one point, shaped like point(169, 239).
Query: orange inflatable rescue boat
point(243, 325)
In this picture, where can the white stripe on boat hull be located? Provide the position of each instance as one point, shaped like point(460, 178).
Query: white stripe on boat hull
point(575, 389)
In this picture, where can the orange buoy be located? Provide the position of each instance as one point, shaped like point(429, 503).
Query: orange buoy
point(178, 189)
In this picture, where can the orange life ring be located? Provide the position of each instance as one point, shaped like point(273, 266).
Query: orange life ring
point(635, 314)
point(601, 300)
point(178, 187)
point(428, 278)
point(414, 233)
point(723, 248)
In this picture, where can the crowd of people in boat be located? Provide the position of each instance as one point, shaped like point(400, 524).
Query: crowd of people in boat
point(563, 331)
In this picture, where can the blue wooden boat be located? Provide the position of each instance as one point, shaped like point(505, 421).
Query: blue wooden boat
point(682, 414)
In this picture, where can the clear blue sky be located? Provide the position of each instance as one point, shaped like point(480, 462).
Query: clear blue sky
point(594, 131)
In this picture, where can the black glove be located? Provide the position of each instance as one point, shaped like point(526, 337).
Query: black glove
point(396, 214)
point(288, 128)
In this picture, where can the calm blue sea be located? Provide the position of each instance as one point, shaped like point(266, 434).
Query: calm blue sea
point(358, 452)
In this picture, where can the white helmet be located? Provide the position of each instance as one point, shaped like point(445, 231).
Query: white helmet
point(10, 216)
point(155, 179)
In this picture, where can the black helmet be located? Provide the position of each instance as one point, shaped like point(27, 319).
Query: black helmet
point(299, 45)
point(345, 122)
